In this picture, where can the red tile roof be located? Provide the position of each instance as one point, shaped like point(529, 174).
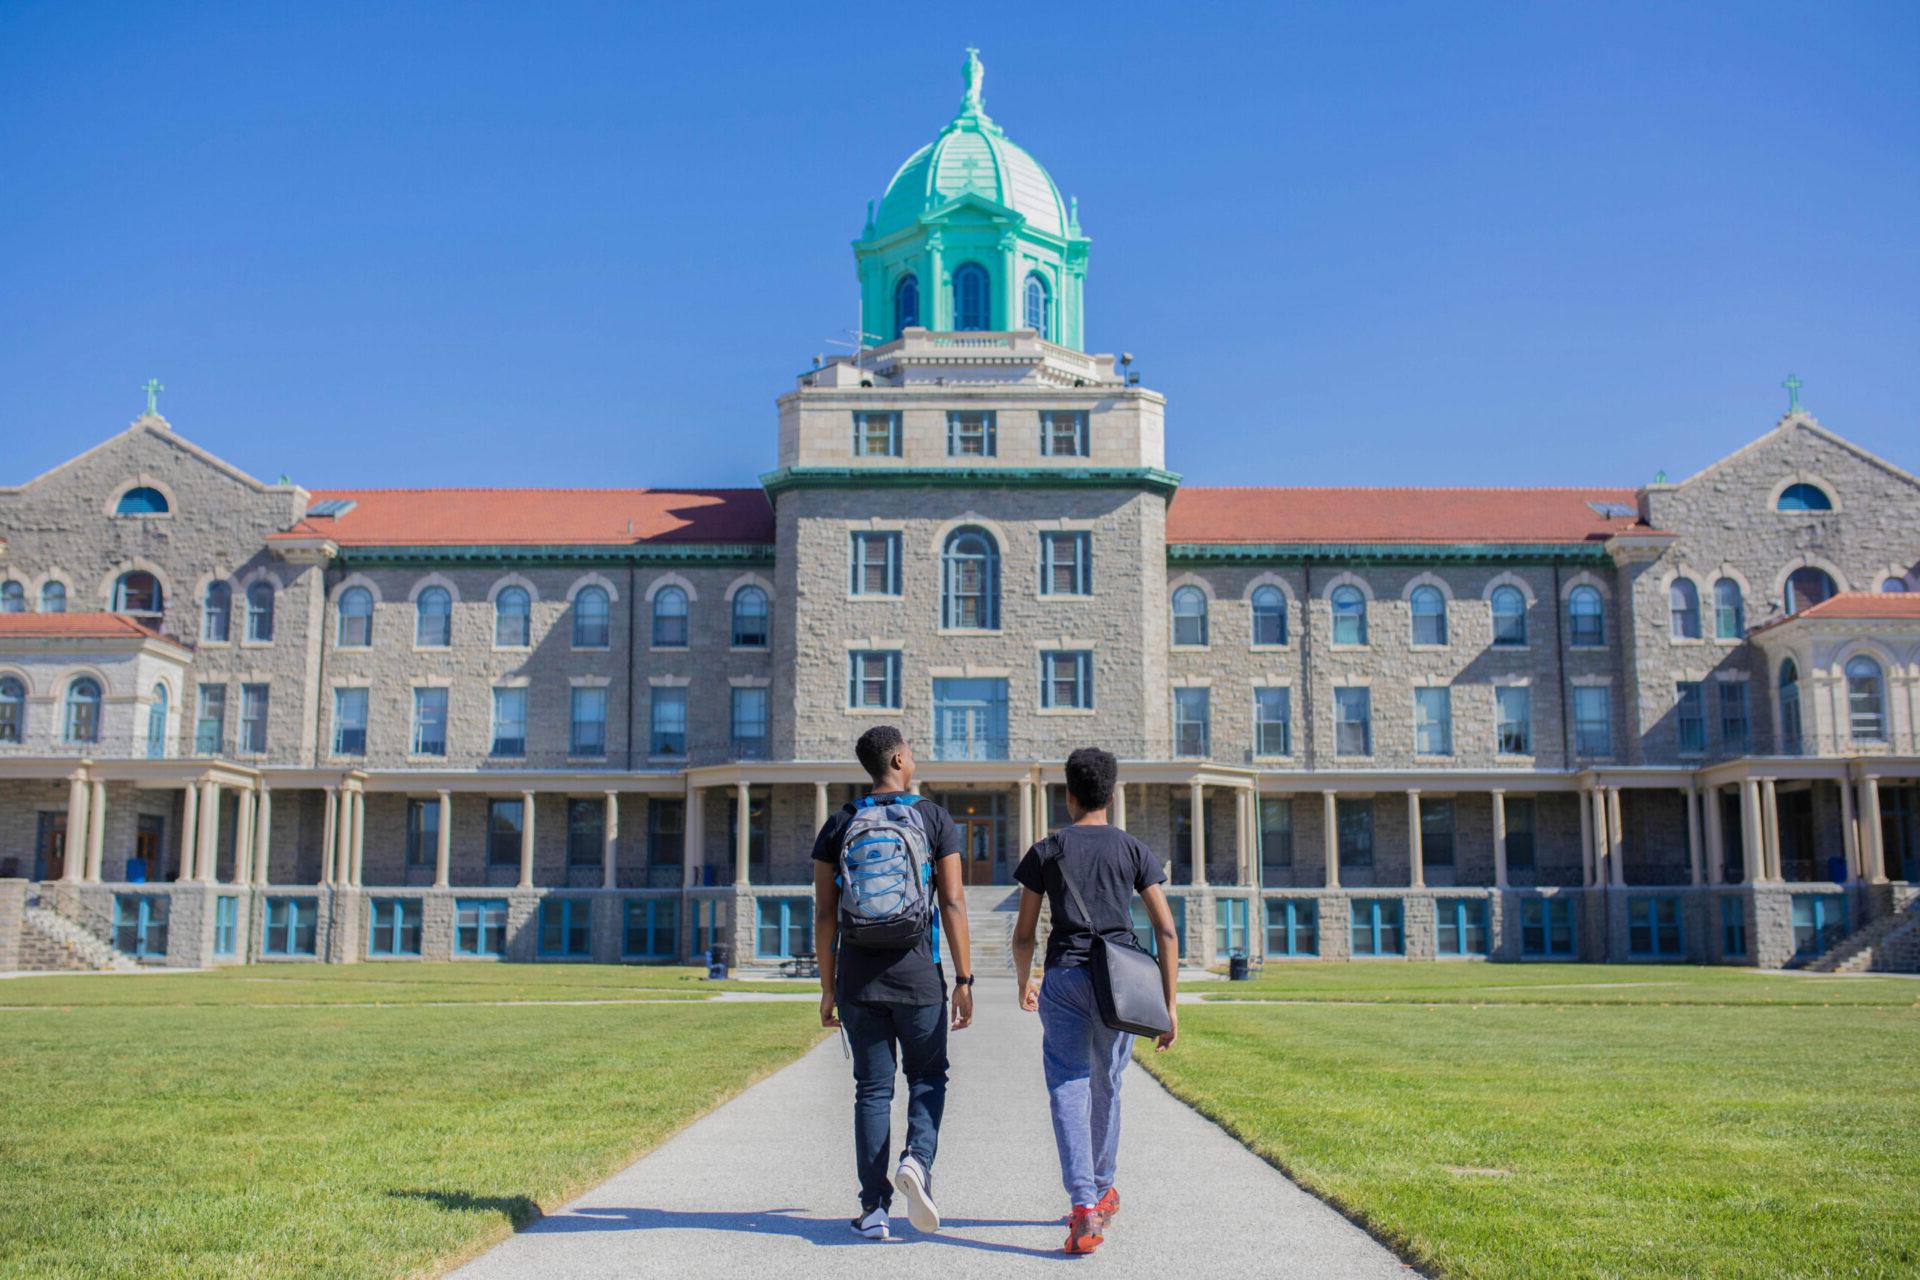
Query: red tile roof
point(1862, 606)
point(539, 517)
point(76, 626)
point(1282, 515)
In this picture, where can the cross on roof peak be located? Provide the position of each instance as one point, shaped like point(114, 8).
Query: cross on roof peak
point(153, 389)
point(1793, 385)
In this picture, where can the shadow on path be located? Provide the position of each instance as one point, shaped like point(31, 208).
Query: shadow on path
point(518, 1210)
point(825, 1232)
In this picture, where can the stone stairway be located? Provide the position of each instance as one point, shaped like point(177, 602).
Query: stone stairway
point(1890, 944)
point(991, 909)
point(54, 942)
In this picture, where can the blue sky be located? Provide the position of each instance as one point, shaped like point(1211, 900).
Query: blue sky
point(586, 244)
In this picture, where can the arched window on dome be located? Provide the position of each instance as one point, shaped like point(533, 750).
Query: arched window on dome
point(1039, 306)
point(970, 297)
point(906, 304)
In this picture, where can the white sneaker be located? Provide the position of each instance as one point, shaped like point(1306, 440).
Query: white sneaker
point(874, 1225)
point(910, 1180)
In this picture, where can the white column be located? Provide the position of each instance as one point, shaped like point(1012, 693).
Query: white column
point(526, 839)
point(608, 878)
point(1118, 815)
point(820, 813)
point(1199, 799)
point(443, 847)
point(1416, 855)
point(1876, 838)
point(73, 860)
point(343, 839)
point(96, 830)
point(1500, 839)
point(1716, 836)
point(1248, 861)
point(1750, 835)
point(1330, 839)
point(1586, 838)
point(1693, 834)
point(1850, 832)
point(243, 836)
point(359, 848)
point(326, 835)
point(262, 835)
point(1027, 837)
point(690, 837)
point(1597, 856)
point(189, 838)
point(1616, 838)
point(742, 833)
point(1770, 802)
point(209, 829)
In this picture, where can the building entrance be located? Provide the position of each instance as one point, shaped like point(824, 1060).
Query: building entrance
point(982, 819)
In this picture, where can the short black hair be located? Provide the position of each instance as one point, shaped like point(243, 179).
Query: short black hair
point(1091, 774)
point(876, 749)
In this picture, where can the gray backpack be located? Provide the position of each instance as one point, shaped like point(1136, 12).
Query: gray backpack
point(886, 875)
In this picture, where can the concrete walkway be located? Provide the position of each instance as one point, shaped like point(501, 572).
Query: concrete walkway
point(763, 1188)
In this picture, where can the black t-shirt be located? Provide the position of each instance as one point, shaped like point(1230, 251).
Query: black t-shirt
point(906, 975)
point(1108, 867)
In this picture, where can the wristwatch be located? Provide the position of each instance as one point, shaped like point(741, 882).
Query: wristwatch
point(963, 982)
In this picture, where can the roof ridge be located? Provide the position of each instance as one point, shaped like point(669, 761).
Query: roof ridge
point(1405, 488)
point(333, 489)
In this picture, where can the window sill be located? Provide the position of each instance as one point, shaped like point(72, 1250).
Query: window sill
point(1497, 647)
point(968, 631)
point(1427, 648)
point(1189, 648)
point(750, 648)
point(1685, 642)
point(1047, 596)
point(1063, 711)
point(513, 648)
point(867, 711)
point(679, 759)
point(433, 648)
point(875, 596)
point(652, 648)
point(1348, 648)
point(256, 644)
point(1588, 648)
point(425, 757)
point(1270, 648)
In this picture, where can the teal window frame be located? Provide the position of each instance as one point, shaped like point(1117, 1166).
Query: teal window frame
point(783, 927)
point(292, 927)
point(1729, 610)
point(85, 699)
point(140, 924)
point(566, 928)
point(1143, 927)
point(349, 721)
point(1230, 926)
point(587, 722)
point(1460, 927)
point(1037, 305)
point(1066, 679)
point(1377, 927)
point(1433, 720)
point(1066, 563)
point(1513, 719)
point(1273, 721)
point(226, 925)
point(1293, 927)
point(1736, 724)
point(972, 298)
point(430, 704)
point(1192, 721)
point(1656, 928)
point(1543, 921)
point(353, 628)
point(873, 680)
point(1804, 496)
point(654, 925)
point(1819, 923)
point(1064, 433)
point(970, 581)
point(1349, 607)
point(973, 433)
point(1353, 721)
point(394, 926)
point(667, 721)
point(1733, 927)
point(873, 563)
point(906, 304)
point(480, 927)
point(142, 500)
point(509, 740)
point(866, 437)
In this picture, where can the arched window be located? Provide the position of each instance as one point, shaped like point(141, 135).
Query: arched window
point(1893, 586)
point(970, 296)
point(1683, 610)
point(138, 593)
point(1509, 616)
point(1808, 586)
point(216, 613)
point(906, 304)
point(13, 597)
point(1039, 306)
point(1269, 616)
point(1804, 497)
point(1189, 616)
point(513, 619)
point(1429, 610)
point(157, 724)
point(53, 597)
point(1729, 610)
point(750, 630)
point(260, 612)
point(1866, 700)
point(1349, 615)
point(83, 710)
point(141, 501)
point(669, 618)
point(592, 619)
point(13, 710)
point(970, 582)
point(1789, 708)
point(1586, 616)
point(433, 618)
point(356, 618)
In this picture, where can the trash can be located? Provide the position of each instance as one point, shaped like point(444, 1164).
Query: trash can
point(717, 959)
point(1237, 967)
point(136, 871)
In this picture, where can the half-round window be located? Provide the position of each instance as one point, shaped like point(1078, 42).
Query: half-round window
point(970, 582)
point(1039, 306)
point(1429, 610)
point(142, 500)
point(513, 618)
point(1269, 616)
point(356, 618)
point(1190, 616)
point(750, 618)
point(970, 296)
point(906, 304)
point(1808, 586)
point(1349, 615)
point(1509, 616)
point(1893, 586)
point(433, 619)
point(138, 593)
point(83, 710)
point(1804, 497)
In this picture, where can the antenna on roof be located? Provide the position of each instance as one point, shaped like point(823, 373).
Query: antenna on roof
point(855, 341)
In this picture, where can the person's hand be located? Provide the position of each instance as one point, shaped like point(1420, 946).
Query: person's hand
point(826, 1010)
point(962, 1008)
point(1165, 1041)
point(1029, 998)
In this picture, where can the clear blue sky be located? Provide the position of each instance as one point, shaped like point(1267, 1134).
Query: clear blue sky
point(585, 244)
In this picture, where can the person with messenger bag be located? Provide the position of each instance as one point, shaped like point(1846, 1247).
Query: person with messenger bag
point(1100, 989)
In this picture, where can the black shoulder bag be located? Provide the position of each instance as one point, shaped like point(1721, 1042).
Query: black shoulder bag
point(1126, 980)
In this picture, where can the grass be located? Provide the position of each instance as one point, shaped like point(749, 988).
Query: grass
point(266, 1123)
point(1500, 1121)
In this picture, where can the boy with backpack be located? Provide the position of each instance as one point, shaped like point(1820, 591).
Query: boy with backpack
point(886, 876)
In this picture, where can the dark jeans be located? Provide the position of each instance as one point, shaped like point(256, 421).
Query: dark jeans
point(873, 1031)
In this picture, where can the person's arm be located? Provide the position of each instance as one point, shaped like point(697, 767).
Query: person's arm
point(1167, 941)
point(1024, 928)
point(953, 918)
point(826, 924)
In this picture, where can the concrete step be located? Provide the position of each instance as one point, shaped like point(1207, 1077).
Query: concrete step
point(63, 940)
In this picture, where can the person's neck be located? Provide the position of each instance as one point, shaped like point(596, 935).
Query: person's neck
point(1096, 818)
point(892, 785)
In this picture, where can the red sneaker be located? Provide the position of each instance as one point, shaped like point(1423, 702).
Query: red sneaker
point(1108, 1206)
point(1083, 1231)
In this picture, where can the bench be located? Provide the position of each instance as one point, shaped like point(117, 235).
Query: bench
point(804, 964)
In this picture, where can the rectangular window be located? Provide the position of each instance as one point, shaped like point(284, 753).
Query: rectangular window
point(875, 560)
point(1513, 719)
point(1653, 926)
point(1546, 929)
point(971, 433)
point(293, 925)
point(1293, 927)
point(349, 722)
point(210, 730)
point(1733, 928)
point(652, 929)
point(876, 434)
point(140, 924)
point(1066, 564)
point(785, 928)
point(423, 833)
point(586, 832)
point(873, 679)
point(1273, 722)
point(1735, 732)
point(749, 723)
point(1433, 721)
point(430, 722)
point(1690, 715)
point(1376, 927)
point(566, 927)
point(1592, 721)
point(1353, 721)
point(1276, 839)
point(1460, 927)
point(394, 927)
point(587, 735)
point(509, 722)
point(226, 925)
point(253, 718)
point(1353, 824)
point(1063, 433)
point(480, 926)
point(504, 821)
point(668, 730)
point(1819, 923)
point(666, 832)
point(1520, 845)
point(1191, 722)
point(1230, 926)
point(1066, 679)
point(1436, 833)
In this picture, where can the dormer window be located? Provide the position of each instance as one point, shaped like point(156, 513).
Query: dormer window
point(1802, 496)
point(970, 297)
point(142, 500)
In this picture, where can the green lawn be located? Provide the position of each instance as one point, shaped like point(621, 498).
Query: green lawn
point(1565, 1121)
point(209, 1125)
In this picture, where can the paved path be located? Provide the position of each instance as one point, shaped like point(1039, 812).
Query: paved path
point(763, 1188)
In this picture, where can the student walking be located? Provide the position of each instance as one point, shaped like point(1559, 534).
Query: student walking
point(1088, 872)
point(886, 877)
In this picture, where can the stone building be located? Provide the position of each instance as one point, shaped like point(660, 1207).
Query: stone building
point(255, 722)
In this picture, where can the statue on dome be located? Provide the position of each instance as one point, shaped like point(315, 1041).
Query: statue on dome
point(973, 73)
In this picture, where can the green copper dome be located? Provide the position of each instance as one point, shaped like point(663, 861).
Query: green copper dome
point(971, 154)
